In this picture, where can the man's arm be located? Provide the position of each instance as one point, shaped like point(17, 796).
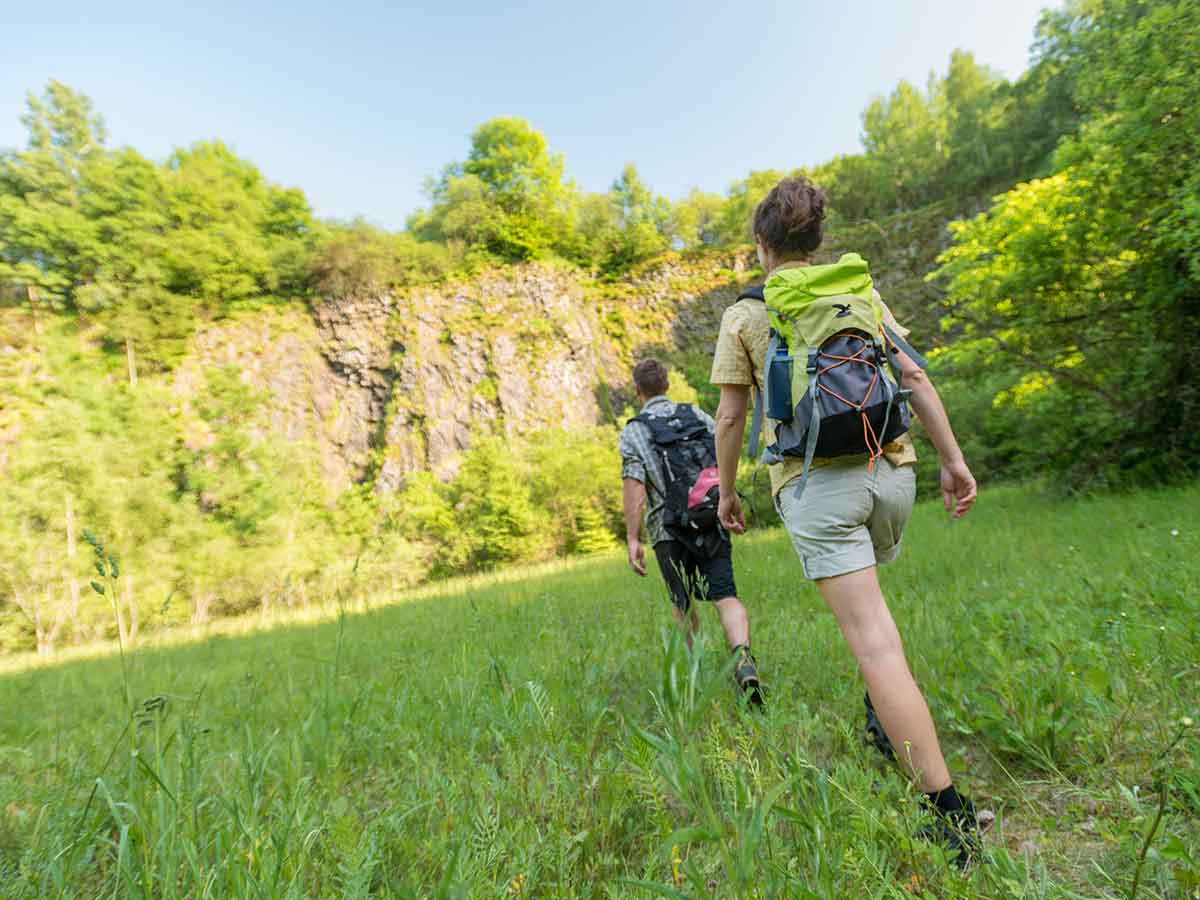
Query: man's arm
point(731, 425)
point(633, 499)
point(957, 482)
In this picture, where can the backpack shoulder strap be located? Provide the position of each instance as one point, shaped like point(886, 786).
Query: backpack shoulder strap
point(755, 292)
point(761, 397)
point(814, 425)
point(905, 347)
point(756, 424)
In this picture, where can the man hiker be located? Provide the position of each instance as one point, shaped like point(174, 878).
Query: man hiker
point(668, 467)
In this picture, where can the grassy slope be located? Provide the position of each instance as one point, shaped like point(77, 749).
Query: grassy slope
point(485, 742)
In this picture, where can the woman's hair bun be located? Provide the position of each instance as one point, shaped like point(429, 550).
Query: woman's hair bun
point(789, 219)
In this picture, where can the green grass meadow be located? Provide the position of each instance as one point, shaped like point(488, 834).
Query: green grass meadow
point(546, 735)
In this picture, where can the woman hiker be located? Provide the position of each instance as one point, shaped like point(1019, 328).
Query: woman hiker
point(845, 514)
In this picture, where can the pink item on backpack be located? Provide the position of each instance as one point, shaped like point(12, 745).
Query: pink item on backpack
point(705, 482)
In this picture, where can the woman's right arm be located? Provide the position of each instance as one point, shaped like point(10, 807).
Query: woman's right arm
point(957, 483)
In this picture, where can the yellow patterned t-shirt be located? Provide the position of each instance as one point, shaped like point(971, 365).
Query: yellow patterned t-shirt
point(739, 357)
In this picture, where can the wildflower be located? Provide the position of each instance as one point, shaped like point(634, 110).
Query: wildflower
point(1174, 532)
point(1186, 722)
point(516, 887)
point(676, 865)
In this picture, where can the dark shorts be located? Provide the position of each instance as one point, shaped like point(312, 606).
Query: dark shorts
point(691, 576)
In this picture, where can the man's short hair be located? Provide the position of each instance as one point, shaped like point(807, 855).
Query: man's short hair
point(650, 376)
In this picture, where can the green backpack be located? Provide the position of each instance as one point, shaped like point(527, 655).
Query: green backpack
point(844, 398)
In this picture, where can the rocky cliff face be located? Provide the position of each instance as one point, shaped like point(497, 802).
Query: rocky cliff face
point(387, 384)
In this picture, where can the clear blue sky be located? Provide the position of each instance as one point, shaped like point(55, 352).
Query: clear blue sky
point(358, 102)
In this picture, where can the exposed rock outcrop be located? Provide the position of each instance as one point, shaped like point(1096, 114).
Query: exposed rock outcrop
point(388, 384)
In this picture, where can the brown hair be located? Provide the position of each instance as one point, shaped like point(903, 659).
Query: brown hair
point(789, 218)
point(650, 376)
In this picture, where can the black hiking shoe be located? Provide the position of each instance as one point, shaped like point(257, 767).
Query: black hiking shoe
point(874, 734)
point(746, 676)
point(957, 832)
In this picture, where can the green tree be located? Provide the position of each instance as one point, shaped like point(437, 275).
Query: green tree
point(698, 218)
point(733, 225)
point(494, 507)
point(48, 238)
point(907, 135)
point(509, 197)
point(358, 258)
point(1083, 285)
point(973, 116)
point(640, 225)
point(93, 454)
point(575, 483)
point(235, 235)
point(1041, 107)
point(593, 533)
point(596, 231)
point(857, 186)
point(149, 250)
point(424, 512)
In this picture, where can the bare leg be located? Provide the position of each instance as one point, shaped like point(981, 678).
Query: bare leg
point(866, 623)
point(734, 620)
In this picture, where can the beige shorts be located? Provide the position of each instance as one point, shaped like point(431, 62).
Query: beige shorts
point(848, 518)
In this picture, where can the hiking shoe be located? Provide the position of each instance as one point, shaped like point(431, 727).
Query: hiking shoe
point(957, 833)
point(874, 734)
point(746, 676)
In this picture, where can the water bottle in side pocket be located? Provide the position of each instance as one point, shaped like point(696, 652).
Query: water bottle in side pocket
point(779, 381)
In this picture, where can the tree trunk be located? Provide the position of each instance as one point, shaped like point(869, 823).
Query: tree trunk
point(32, 295)
point(72, 614)
point(130, 362)
point(200, 613)
point(49, 637)
point(132, 605)
point(39, 629)
point(116, 604)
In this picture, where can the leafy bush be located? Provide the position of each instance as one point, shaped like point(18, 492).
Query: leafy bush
point(552, 492)
point(1075, 291)
point(360, 259)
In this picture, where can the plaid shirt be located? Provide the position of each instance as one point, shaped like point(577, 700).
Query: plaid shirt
point(640, 462)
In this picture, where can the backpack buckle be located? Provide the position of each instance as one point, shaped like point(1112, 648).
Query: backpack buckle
point(813, 362)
